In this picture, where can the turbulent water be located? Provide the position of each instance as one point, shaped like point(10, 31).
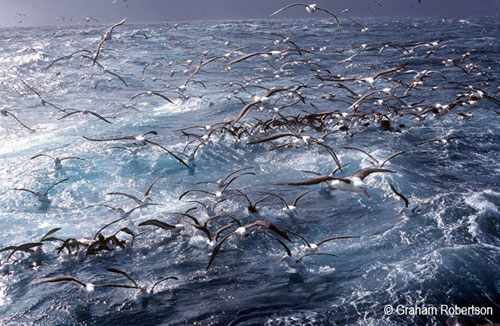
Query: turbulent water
point(446, 252)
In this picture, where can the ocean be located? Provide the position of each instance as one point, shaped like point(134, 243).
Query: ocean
point(425, 86)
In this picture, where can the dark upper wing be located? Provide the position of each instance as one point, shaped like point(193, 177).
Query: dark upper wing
point(310, 181)
point(288, 6)
point(363, 173)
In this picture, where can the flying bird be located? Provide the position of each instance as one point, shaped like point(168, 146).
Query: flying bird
point(57, 160)
point(310, 9)
point(84, 112)
point(146, 199)
point(353, 183)
point(106, 37)
point(42, 197)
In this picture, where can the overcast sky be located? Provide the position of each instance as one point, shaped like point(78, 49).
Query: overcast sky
point(61, 12)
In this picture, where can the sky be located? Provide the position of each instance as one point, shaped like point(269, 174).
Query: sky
point(66, 12)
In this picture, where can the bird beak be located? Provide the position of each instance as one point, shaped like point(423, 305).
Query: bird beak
point(281, 260)
point(366, 193)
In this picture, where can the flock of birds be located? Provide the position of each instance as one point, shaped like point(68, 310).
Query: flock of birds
point(279, 118)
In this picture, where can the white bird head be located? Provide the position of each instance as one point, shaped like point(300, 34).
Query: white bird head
point(311, 8)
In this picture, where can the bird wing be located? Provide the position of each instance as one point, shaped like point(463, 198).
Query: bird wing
point(162, 96)
point(110, 285)
point(31, 89)
point(137, 200)
point(289, 253)
point(314, 254)
point(72, 157)
point(234, 178)
point(308, 181)
point(388, 71)
point(366, 153)
point(114, 270)
point(162, 280)
point(270, 226)
point(110, 139)
point(336, 238)
point(54, 230)
point(151, 186)
point(271, 137)
point(24, 189)
point(24, 247)
point(97, 115)
point(298, 235)
point(157, 223)
point(62, 278)
point(400, 195)
point(104, 39)
point(247, 56)
point(300, 196)
point(331, 14)
point(197, 190)
point(141, 206)
point(22, 124)
point(244, 195)
point(288, 6)
point(236, 171)
point(390, 157)
point(243, 111)
point(168, 151)
point(55, 184)
point(363, 173)
point(68, 114)
point(332, 153)
point(217, 248)
point(222, 229)
point(277, 196)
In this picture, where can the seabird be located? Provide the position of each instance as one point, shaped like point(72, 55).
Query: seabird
point(314, 247)
point(290, 209)
point(27, 247)
point(106, 37)
point(85, 112)
point(407, 210)
point(379, 164)
point(291, 262)
point(310, 8)
point(152, 92)
point(252, 207)
point(352, 183)
point(42, 100)
point(177, 228)
point(57, 160)
point(444, 140)
point(121, 212)
point(66, 57)
point(140, 141)
point(221, 183)
point(242, 232)
point(362, 28)
point(146, 199)
point(87, 287)
point(212, 240)
point(209, 209)
point(143, 290)
point(297, 263)
point(43, 198)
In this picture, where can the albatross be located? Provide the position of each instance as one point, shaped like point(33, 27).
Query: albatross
point(353, 183)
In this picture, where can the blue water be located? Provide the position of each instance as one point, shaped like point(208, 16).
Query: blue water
point(448, 253)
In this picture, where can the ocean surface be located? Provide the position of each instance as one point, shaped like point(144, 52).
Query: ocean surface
point(445, 252)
